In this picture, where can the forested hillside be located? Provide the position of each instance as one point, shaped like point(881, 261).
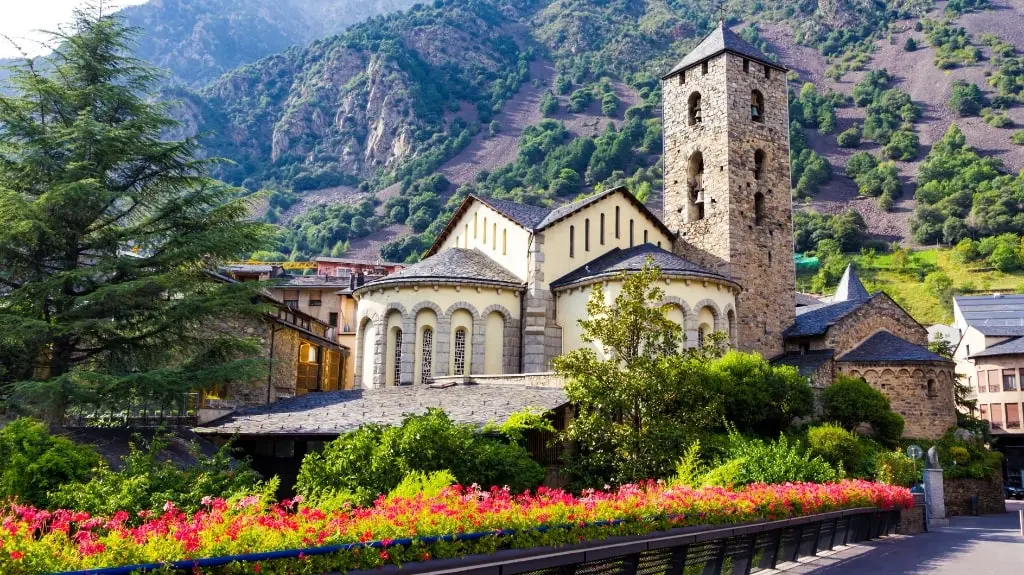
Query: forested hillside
point(368, 139)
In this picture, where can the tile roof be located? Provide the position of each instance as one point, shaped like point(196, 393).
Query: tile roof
point(459, 265)
point(998, 309)
point(805, 363)
point(334, 412)
point(1009, 347)
point(850, 287)
point(721, 39)
point(884, 346)
point(523, 214)
point(633, 259)
point(805, 299)
point(816, 319)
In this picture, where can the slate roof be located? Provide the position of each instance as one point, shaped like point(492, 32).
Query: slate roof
point(336, 412)
point(721, 39)
point(816, 319)
point(316, 281)
point(805, 363)
point(884, 346)
point(633, 259)
point(992, 310)
point(1000, 330)
point(803, 299)
point(1010, 347)
point(850, 287)
point(454, 265)
point(523, 214)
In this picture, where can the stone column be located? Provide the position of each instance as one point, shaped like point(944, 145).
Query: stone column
point(442, 345)
point(510, 348)
point(405, 375)
point(380, 352)
point(479, 345)
point(934, 494)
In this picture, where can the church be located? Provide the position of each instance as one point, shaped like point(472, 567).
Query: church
point(500, 293)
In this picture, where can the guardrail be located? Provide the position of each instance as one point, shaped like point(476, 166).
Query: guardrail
point(738, 549)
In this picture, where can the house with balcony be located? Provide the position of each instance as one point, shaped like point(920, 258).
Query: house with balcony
point(990, 360)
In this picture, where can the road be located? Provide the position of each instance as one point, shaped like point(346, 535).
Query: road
point(989, 544)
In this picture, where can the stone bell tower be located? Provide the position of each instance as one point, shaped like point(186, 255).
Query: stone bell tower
point(727, 183)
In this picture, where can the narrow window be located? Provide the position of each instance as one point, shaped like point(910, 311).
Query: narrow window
point(746, 65)
point(332, 319)
point(586, 235)
point(1012, 416)
point(630, 232)
point(682, 77)
point(616, 222)
point(600, 232)
point(700, 336)
point(1009, 380)
point(758, 164)
point(931, 388)
point(504, 242)
point(398, 357)
point(426, 354)
point(695, 111)
point(460, 351)
point(756, 106)
point(704, 67)
point(474, 224)
point(485, 230)
point(758, 208)
point(494, 236)
point(572, 241)
point(645, 236)
point(695, 171)
point(467, 235)
point(767, 73)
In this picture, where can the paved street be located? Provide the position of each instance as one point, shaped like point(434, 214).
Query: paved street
point(989, 544)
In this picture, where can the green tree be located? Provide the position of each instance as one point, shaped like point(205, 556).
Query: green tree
point(637, 410)
point(849, 402)
point(36, 463)
point(107, 231)
point(548, 104)
point(965, 99)
point(849, 138)
point(910, 45)
point(940, 286)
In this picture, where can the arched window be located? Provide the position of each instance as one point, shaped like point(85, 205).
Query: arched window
point(485, 230)
point(427, 354)
point(398, 357)
point(700, 336)
point(695, 171)
point(758, 164)
point(695, 114)
point(645, 236)
point(494, 236)
point(460, 351)
point(758, 208)
point(756, 106)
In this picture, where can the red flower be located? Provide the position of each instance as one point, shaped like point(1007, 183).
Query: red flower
point(17, 555)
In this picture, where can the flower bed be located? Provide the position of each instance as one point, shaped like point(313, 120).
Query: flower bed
point(458, 522)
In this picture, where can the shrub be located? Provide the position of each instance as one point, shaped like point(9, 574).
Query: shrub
point(146, 481)
point(1017, 138)
point(1003, 258)
point(374, 459)
point(965, 99)
point(910, 45)
point(35, 463)
point(838, 447)
point(852, 401)
point(609, 104)
point(428, 485)
point(757, 461)
point(896, 468)
point(996, 119)
point(548, 104)
point(849, 138)
point(960, 455)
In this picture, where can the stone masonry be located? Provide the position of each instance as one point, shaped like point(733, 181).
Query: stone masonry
point(927, 411)
point(751, 246)
point(542, 336)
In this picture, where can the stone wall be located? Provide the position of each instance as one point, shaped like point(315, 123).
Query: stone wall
point(959, 491)
point(881, 313)
point(912, 520)
point(279, 345)
point(926, 415)
point(751, 246)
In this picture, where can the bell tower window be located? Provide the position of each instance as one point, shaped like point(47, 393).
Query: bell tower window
point(758, 208)
point(695, 113)
point(757, 107)
point(695, 193)
point(758, 164)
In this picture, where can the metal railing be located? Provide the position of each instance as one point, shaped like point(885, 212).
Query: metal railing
point(138, 413)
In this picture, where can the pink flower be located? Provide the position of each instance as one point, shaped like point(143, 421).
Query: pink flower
point(17, 555)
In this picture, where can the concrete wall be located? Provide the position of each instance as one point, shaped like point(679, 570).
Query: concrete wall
point(695, 300)
point(444, 308)
point(501, 239)
point(926, 415)
point(988, 372)
point(753, 251)
point(558, 260)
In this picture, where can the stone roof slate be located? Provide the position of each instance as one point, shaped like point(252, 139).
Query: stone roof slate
point(1010, 347)
point(850, 287)
point(884, 346)
point(633, 259)
point(806, 363)
point(721, 39)
point(816, 319)
point(1000, 330)
point(1001, 309)
point(335, 412)
point(453, 265)
point(523, 214)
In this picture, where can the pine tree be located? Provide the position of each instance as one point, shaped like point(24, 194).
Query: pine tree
point(107, 233)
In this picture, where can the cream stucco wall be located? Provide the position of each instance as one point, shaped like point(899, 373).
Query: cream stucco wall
point(501, 239)
point(494, 343)
point(557, 260)
point(376, 302)
point(690, 298)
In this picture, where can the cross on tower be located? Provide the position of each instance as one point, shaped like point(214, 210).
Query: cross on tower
point(721, 13)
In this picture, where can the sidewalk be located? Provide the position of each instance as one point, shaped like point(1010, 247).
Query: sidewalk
point(989, 544)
